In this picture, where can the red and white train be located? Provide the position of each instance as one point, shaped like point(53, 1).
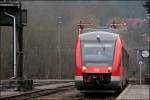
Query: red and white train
point(101, 60)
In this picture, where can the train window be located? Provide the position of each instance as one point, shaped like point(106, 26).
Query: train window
point(97, 54)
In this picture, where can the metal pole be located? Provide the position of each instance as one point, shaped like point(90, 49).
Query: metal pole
point(59, 45)
point(140, 74)
point(137, 56)
point(20, 62)
point(20, 45)
point(0, 52)
point(14, 37)
point(140, 63)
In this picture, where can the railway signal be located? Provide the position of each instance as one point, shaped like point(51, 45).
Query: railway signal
point(145, 54)
point(12, 14)
point(116, 24)
point(143, 61)
point(82, 25)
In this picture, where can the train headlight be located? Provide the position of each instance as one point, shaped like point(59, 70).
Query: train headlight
point(83, 68)
point(109, 68)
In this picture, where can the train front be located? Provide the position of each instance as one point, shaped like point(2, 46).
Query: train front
point(94, 59)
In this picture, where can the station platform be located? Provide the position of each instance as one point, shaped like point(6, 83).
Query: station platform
point(135, 92)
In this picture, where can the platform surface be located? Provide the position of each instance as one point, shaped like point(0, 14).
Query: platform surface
point(135, 92)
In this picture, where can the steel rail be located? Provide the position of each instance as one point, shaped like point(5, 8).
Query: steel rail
point(36, 93)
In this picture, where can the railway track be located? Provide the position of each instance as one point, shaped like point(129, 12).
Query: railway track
point(59, 91)
point(67, 94)
point(73, 94)
point(39, 91)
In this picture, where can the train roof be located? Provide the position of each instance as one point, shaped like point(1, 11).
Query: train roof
point(105, 29)
point(102, 33)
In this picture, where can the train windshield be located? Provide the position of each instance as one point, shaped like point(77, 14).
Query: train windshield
point(97, 54)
